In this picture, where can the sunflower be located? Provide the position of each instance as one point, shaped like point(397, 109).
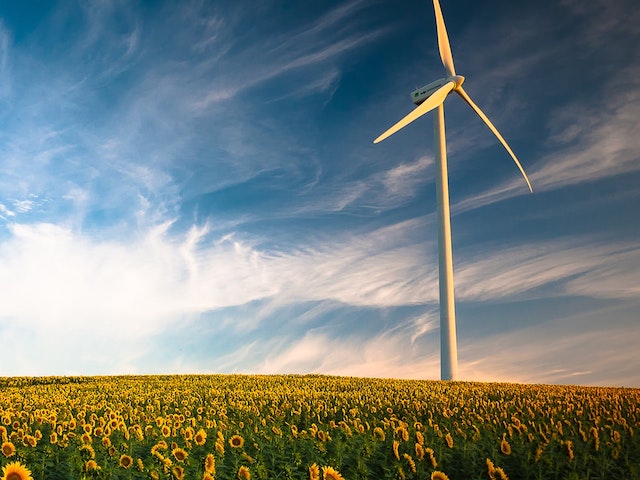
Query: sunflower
point(432, 457)
point(126, 461)
point(410, 461)
point(201, 437)
point(419, 451)
point(379, 433)
point(166, 430)
point(314, 472)
point(329, 473)
point(91, 465)
point(16, 471)
point(491, 469)
point(8, 449)
point(87, 452)
point(501, 472)
point(569, 445)
point(244, 473)
point(236, 441)
point(179, 454)
point(210, 464)
point(449, 440)
point(178, 472)
point(505, 447)
point(207, 476)
point(220, 447)
point(395, 446)
point(436, 475)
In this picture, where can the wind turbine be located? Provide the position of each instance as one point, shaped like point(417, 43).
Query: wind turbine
point(427, 98)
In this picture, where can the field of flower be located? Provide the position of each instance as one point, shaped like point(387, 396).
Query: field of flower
point(313, 427)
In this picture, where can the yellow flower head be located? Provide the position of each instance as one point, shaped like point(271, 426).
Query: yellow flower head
point(436, 475)
point(395, 446)
point(432, 457)
point(244, 473)
point(210, 464)
point(201, 437)
point(16, 471)
point(178, 472)
point(329, 473)
point(501, 473)
point(236, 441)
point(8, 449)
point(410, 461)
point(220, 447)
point(491, 469)
point(419, 451)
point(126, 461)
point(179, 454)
point(87, 452)
point(91, 465)
point(449, 440)
point(314, 472)
point(505, 447)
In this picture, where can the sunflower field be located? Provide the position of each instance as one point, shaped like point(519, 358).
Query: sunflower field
point(313, 427)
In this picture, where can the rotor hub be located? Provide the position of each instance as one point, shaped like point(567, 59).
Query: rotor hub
point(458, 80)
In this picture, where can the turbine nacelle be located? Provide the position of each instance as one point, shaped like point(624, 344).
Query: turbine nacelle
point(421, 94)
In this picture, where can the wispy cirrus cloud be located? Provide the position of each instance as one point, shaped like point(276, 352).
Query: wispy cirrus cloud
point(591, 348)
point(587, 143)
point(575, 266)
point(316, 44)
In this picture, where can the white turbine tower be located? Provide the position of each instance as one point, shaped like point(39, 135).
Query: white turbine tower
point(427, 98)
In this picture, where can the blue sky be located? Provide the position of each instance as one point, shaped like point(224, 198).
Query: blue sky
point(192, 187)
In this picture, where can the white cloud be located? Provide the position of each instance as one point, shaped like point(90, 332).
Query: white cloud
point(389, 354)
point(403, 179)
point(59, 284)
point(587, 144)
point(578, 266)
point(591, 348)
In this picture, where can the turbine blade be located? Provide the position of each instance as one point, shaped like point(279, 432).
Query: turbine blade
point(460, 91)
point(429, 104)
point(443, 41)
